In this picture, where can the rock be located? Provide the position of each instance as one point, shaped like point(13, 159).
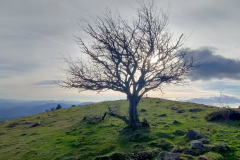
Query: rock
point(140, 156)
point(195, 144)
point(174, 108)
point(193, 117)
point(103, 158)
point(154, 124)
point(186, 151)
point(180, 111)
point(176, 122)
point(202, 158)
point(162, 115)
point(195, 110)
point(179, 132)
point(167, 125)
point(35, 125)
point(2, 133)
point(118, 156)
point(143, 110)
point(168, 156)
point(193, 135)
point(204, 140)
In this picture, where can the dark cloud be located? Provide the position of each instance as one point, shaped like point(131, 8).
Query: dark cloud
point(47, 82)
point(215, 66)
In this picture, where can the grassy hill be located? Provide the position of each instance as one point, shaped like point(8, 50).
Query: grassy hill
point(63, 136)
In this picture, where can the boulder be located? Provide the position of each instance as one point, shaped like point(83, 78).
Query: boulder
point(202, 158)
point(192, 134)
point(195, 144)
point(204, 140)
point(174, 108)
point(35, 125)
point(140, 156)
point(168, 156)
point(195, 110)
point(180, 111)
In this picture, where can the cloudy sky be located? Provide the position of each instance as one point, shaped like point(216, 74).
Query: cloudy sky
point(34, 34)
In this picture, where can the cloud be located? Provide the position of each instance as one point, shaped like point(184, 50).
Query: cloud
point(46, 82)
point(209, 100)
point(215, 66)
point(10, 68)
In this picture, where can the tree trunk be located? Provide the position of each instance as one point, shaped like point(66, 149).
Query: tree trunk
point(133, 115)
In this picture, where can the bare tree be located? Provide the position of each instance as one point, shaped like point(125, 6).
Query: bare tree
point(129, 57)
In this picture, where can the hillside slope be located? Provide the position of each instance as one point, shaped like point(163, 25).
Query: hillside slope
point(63, 136)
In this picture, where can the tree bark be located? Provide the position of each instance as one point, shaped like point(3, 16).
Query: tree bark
point(133, 114)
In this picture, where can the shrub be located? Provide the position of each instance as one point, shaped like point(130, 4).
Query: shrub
point(223, 114)
point(163, 144)
point(92, 119)
point(58, 107)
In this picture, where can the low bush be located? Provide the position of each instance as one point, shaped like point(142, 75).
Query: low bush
point(163, 144)
point(223, 114)
point(58, 107)
point(92, 119)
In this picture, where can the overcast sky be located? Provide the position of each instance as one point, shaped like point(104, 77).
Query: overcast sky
point(34, 34)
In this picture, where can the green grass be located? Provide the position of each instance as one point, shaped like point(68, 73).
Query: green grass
point(63, 136)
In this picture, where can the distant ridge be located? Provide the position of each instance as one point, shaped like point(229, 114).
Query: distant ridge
point(10, 109)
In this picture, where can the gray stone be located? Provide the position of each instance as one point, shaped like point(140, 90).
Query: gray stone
point(168, 156)
point(35, 125)
point(202, 158)
point(204, 140)
point(180, 111)
point(195, 144)
point(195, 110)
point(193, 135)
point(162, 115)
point(174, 108)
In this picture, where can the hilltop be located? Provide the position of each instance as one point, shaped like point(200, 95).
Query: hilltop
point(62, 135)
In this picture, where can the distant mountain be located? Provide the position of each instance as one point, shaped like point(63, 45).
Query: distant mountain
point(10, 109)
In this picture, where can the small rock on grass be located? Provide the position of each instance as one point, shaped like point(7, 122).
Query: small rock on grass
point(180, 111)
point(162, 115)
point(202, 158)
point(143, 110)
point(168, 156)
point(35, 125)
point(176, 122)
point(195, 110)
point(195, 144)
point(192, 134)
